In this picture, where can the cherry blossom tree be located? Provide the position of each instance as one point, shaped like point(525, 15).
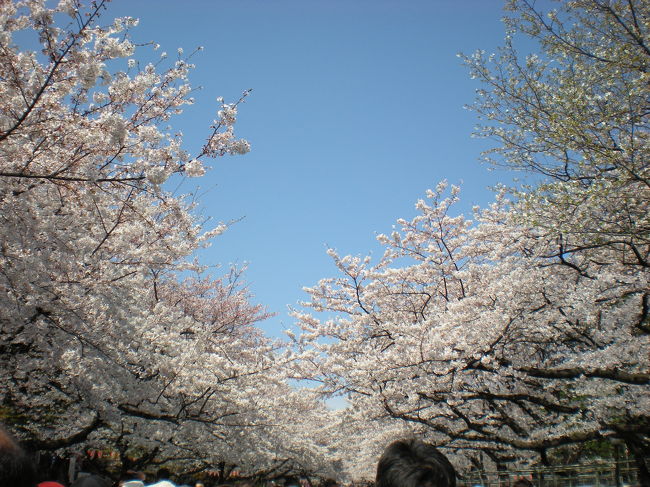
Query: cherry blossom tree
point(576, 114)
point(470, 331)
point(105, 339)
point(524, 331)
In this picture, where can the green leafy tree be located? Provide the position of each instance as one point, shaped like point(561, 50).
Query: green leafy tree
point(576, 114)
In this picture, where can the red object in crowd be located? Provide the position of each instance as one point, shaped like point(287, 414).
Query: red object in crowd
point(50, 484)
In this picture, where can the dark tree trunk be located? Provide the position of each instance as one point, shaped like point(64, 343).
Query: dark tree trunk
point(641, 453)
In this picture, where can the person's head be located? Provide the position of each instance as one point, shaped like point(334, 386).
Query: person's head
point(413, 463)
point(16, 466)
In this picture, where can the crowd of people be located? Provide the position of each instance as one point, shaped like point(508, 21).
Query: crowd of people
point(404, 463)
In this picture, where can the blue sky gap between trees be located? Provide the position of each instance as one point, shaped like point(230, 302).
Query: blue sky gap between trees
point(357, 108)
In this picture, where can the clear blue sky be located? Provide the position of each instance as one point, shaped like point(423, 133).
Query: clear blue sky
point(356, 109)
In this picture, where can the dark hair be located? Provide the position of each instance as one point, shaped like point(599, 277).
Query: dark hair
point(16, 467)
point(413, 463)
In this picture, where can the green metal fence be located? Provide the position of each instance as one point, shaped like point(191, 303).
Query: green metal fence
point(614, 474)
